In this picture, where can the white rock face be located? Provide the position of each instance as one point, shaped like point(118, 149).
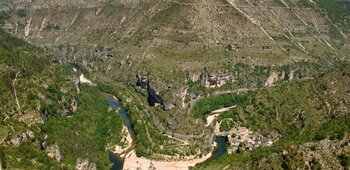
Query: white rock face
point(272, 79)
point(84, 80)
point(27, 27)
point(84, 164)
point(54, 152)
point(21, 138)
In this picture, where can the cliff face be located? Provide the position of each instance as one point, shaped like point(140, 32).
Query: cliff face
point(307, 122)
point(212, 80)
point(188, 48)
point(153, 97)
point(225, 24)
point(169, 39)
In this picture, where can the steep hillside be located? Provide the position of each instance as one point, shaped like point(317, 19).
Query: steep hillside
point(194, 45)
point(308, 123)
point(42, 105)
point(168, 60)
point(177, 41)
point(26, 80)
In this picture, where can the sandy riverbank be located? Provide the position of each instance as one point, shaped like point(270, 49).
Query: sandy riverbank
point(127, 139)
point(214, 114)
point(132, 162)
point(211, 118)
point(223, 109)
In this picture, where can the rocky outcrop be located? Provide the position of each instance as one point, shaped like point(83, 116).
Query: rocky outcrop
point(214, 80)
point(327, 153)
point(84, 164)
point(195, 77)
point(42, 143)
point(66, 112)
point(153, 97)
point(76, 81)
point(21, 138)
point(142, 81)
point(279, 76)
point(183, 96)
point(45, 114)
point(276, 76)
point(82, 79)
point(272, 79)
point(291, 75)
point(74, 104)
point(54, 152)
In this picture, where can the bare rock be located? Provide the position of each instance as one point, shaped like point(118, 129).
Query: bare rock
point(21, 138)
point(30, 134)
point(213, 80)
point(142, 81)
point(15, 141)
point(54, 152)
point(273, 78)
point(74, 104)
point(84, 164)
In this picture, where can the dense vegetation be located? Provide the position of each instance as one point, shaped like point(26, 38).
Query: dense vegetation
point(251, 78)
point(209, 104)
point(169, 44)
point(3, 16)
point(88, 132)
point(150, 140)
point(31, 157)
point(31, 69)
point(294, 113)
point(45, 91)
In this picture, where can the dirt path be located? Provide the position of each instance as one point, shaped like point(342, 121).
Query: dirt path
point(15, 92)
point(214, 114)
point(180, 140)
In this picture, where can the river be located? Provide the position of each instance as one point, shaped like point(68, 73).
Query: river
point(221, 147)
point(115, 104)
point(118, 161)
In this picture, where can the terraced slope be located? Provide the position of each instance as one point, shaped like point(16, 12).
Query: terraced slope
point(176, 42)
point(186, 34)
point(160, 57)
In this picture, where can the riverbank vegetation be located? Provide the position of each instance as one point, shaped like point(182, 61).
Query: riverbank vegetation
point(39, 95)
point(294, 115)
point(212, 103)
point(151, 140)
point(87, 133)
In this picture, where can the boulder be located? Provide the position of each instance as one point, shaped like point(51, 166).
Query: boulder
point(54, 152)
point(84, 164)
